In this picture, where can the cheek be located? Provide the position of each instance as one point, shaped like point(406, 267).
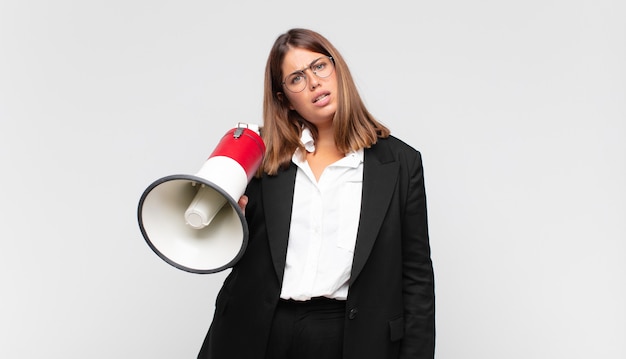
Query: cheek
point(294, 101)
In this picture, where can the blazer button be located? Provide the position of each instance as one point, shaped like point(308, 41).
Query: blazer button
point(353, 312)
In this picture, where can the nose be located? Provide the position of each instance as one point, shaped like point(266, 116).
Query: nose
point(313, 80)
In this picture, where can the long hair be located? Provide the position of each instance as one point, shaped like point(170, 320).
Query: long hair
point(354, 127)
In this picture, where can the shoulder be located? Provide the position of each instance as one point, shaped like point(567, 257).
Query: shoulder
point(396, 142)
point(393, 147)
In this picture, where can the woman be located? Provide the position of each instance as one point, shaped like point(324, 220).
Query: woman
point(338, 258)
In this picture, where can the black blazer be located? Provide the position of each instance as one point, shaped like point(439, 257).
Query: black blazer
point(390, 309)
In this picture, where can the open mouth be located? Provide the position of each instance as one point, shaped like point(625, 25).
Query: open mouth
point(319, 98)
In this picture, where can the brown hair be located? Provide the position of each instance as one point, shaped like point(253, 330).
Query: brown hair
point(353, 125)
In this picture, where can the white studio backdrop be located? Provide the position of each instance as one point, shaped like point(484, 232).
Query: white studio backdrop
point(518, 107)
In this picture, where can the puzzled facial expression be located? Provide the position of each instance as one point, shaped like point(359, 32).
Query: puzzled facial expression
point(310, 84)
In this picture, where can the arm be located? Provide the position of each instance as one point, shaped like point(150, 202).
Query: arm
point(418, 276)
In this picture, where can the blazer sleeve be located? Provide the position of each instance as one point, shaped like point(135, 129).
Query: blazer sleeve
point(418, 276)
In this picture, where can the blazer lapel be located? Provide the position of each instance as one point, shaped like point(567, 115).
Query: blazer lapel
point(277, 201)
point(380, 172)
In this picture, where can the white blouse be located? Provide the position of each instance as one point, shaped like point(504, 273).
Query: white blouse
point(324, 223)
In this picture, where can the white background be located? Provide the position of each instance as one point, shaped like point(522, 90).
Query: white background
point(518, 107)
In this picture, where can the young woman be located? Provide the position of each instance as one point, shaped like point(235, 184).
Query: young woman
point(338, 260)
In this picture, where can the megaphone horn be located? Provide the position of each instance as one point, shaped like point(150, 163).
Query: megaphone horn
point(194, 222)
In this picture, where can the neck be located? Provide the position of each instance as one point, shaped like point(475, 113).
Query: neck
point(325, 140)
point(326, 152)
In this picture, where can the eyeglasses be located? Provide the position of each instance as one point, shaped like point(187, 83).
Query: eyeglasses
point(322, 68)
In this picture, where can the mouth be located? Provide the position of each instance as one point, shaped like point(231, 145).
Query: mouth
point(321, 97)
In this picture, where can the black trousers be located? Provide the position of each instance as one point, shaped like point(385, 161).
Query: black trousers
point(312, 329)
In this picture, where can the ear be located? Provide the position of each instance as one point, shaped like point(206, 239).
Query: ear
point(282, 98)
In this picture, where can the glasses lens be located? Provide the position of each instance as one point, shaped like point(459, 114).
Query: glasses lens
point(296, 82)
point(322, 67)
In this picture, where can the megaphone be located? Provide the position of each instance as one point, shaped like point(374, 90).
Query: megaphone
point(193, 222)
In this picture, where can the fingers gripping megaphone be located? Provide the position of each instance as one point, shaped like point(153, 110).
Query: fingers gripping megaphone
point(193, 222)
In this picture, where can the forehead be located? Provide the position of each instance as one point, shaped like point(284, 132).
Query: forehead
point(297, 59)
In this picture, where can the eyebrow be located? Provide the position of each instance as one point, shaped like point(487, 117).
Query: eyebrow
point(306, 67)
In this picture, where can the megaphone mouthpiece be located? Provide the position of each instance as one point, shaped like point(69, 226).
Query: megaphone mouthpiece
point(204, 207)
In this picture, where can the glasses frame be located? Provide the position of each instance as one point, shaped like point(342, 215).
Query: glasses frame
point(306, 78)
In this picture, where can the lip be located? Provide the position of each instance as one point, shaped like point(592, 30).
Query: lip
point(321, 98)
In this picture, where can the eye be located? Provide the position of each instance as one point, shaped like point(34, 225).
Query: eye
point(296, 78)
point(319, 65)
